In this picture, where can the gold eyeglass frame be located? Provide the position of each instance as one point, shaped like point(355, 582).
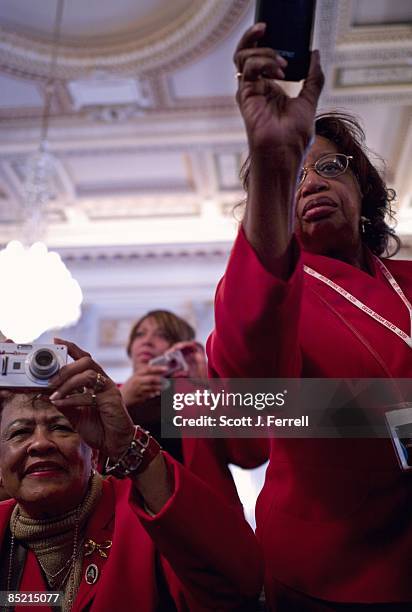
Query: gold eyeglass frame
point(314, 167)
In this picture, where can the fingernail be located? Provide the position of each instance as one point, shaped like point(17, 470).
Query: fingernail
point(282, 61)
point(54, 396)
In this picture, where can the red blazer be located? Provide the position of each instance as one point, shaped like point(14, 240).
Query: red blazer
point(208, 458)
point(334, 517)
point(195, 534)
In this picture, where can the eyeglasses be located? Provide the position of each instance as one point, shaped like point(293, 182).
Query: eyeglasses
point(328, 166)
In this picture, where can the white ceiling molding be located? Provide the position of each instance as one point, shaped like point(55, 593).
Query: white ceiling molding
point(363, 64)
point(212, 250)
point(190, 35)
point(369, 33)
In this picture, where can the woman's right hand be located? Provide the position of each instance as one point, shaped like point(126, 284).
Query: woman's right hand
point(142, 385)
point(272, 118)
point(279, 129)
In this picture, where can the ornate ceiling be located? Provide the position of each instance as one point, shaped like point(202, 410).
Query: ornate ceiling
point(144, 124)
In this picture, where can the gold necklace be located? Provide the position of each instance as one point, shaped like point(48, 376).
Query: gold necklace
point(70, 563)
point(51, 578)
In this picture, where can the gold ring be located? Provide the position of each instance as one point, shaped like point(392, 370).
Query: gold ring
point(100, 382)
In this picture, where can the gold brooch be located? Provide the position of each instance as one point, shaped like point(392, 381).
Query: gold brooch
point(90, 546)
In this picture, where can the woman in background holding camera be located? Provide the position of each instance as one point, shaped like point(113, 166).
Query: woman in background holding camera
point(154, 334)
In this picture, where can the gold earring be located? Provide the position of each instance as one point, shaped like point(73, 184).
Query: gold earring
point(364, 222)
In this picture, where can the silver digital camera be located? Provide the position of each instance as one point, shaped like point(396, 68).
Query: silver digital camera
point(30, 366)
point(174, 361)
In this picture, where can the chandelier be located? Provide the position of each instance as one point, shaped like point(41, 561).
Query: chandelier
point(39, 292)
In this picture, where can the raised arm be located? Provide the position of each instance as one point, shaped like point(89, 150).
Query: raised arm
point(279, 129)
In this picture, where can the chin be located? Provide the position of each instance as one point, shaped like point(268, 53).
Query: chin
point(47, 488)
point(48, 492)
point(320, 236)
point(318, 240)
point(48, 502)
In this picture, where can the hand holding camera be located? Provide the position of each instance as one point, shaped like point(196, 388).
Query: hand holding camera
point(92, 403)
point(149, 380)
point(273, 119)
point(81, 390)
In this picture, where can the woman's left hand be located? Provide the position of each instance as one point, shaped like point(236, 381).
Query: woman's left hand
point(97, 412)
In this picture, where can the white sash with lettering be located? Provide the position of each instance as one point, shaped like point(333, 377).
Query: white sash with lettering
point(388, 324)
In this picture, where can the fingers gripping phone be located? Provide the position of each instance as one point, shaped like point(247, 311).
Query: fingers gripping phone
point(289, 27)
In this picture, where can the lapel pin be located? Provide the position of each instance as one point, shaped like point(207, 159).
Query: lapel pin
point(91, 574)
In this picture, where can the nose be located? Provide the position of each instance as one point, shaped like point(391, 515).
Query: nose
point(40, 443)
point(147, 340)
point(313, 183)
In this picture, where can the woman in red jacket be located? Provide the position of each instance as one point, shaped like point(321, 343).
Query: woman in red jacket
point(130, 541)
point(155, 333)
point(306, 294)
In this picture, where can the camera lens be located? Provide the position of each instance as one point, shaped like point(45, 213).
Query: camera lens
point(44, 358)
point(43, 363)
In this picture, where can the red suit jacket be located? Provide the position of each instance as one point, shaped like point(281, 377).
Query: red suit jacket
point(334, 517)
point(195, 535)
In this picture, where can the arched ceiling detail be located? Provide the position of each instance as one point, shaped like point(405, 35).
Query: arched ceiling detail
point(187, 36)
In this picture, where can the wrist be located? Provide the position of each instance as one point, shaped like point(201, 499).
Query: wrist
point(282, 160)
point(277, 152)
point(135, 459)
point(122, 448)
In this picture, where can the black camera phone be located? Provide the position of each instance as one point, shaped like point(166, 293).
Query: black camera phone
point(289, 25)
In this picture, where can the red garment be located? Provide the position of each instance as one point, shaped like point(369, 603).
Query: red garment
point(195, 535)
point(335, 516)
point(208, 458)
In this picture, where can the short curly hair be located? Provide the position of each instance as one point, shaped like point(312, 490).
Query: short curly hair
point(345, 132)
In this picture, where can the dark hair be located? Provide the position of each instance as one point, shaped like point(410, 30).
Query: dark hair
point(176, 328)
point(346, 133)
